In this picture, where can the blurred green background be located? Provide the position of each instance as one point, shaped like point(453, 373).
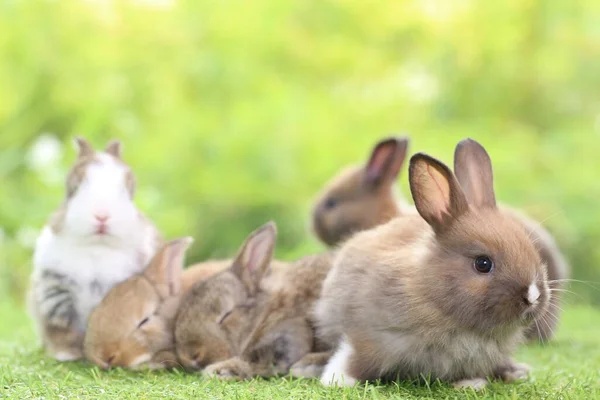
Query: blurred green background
point(236, 112)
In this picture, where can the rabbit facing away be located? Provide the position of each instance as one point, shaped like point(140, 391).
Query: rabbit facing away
point(133, 325)
point(254, 319)
point(96, 239)
point(361, 197)
point(335, 219)
point(447, 295)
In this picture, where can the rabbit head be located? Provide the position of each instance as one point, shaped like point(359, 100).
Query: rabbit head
point(217, 315)
point(134, 322)
point(469, 159)
point(483, 268)
point(99, 196)
point(360, 198)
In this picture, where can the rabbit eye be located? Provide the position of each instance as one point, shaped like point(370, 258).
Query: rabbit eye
point(483, 264)
point(330, 203)
point(143, 322)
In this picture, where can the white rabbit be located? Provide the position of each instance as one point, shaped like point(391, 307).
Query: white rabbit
point(96, 239)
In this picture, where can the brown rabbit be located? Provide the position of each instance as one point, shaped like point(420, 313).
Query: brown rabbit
point(472, 165)
point(253, 319)
point(133, 324)
point(361, 197)
point(447, 296)
point(340, 219)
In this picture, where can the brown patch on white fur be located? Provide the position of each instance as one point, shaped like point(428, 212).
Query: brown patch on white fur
point(114, 148)
point(87, 156)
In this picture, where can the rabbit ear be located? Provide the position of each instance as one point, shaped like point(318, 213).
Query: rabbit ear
point(473, 169)
point(84, 147)
point(255, 255)
point(386, 160)
point(166, 266)
point(114, 148)
point(438, 197)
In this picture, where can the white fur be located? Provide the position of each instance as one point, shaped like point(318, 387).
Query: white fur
point(140, 360)
point(86, 258)
point(65, 356)
point(335, 373)
point(475, 384)
point(103, 192)
point(533, 293)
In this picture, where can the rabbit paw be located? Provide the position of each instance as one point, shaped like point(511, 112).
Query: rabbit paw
point(476, 384)
point(64, 356)
point(311, 365)
point(232, 369)
point(301, 370)
point(513, 372)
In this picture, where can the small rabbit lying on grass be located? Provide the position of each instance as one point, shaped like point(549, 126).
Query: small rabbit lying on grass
point(133, 325)
point(254, 319)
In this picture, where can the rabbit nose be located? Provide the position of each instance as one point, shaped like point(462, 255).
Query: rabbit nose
point(531, 295)
point(102, 218)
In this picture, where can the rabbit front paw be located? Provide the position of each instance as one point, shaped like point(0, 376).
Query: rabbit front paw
point(513, 371)
point(232, 369)
point(301, 370)
point(476, 384)
point(65, 356)
point(311, 365)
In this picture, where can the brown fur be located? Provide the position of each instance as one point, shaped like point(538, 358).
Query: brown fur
point(472, 166)
point(408, 300)
point(361, 197)
point(114, 337)
point(366, 209)
point(58, 340)
point(252, 319)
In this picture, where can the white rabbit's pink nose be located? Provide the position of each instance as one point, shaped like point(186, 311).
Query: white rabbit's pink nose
point(102, 218)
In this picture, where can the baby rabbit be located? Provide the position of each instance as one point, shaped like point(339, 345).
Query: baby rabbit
point(133, 325)
point(361, 197)
point(470, 160)
point(447, 296)
point(363, 209)
point(253, 318)
point(96, 239)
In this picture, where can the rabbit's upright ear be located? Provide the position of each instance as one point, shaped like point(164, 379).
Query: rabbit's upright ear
point(473, 169)
point(84, 148)
point(114, 148)
point(438, 197)
point(166, 267)
point(385, 161)
point(255, 255)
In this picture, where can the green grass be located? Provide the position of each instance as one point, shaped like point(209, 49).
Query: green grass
point(568, 368)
